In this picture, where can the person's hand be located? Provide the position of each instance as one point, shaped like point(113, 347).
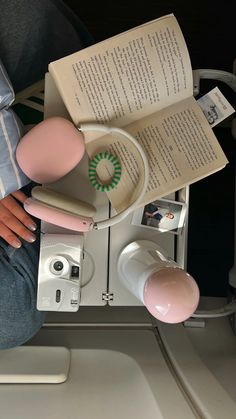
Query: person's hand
point(15, 221)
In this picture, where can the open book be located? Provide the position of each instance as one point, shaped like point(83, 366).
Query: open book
point(141, 81)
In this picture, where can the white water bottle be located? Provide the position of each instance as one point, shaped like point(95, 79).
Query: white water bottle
point(169, 293)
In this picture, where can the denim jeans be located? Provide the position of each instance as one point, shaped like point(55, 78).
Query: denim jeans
point(19, 318)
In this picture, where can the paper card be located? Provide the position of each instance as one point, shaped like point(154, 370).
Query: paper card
point(215, 106)
point(162, 215)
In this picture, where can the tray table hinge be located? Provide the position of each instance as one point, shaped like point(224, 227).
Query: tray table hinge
point(106, 296)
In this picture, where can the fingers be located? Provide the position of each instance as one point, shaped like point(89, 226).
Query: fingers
point(9, 236)
point(10, 222)
point(20, 196)
point(14, 208)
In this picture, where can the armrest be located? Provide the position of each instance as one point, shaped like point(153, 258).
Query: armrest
point(34, 364)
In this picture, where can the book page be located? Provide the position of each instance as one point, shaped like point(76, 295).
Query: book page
point(126, 77)
point(181, 148)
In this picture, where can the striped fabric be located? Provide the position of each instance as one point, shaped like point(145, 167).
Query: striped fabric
point(11, 130)
point(7, 95)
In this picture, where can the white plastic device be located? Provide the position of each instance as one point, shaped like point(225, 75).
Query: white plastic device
point(59, 275)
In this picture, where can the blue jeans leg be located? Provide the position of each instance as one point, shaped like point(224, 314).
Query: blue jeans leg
point(19, 318)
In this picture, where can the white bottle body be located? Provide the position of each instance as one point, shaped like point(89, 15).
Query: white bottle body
point(138, 261)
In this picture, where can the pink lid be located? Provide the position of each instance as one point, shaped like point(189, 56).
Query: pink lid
point(50, 150)
point(171, 295)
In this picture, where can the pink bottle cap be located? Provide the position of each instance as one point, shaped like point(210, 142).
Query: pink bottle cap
point(171, 295)
point(50, 150)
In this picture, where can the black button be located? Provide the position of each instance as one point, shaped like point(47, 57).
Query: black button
point(75, 271)
point(58, 265)
point(58, 296)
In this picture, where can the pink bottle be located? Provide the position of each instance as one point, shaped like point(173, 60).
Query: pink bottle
point(169, 293)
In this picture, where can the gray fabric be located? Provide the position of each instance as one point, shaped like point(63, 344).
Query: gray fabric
point(34, 33)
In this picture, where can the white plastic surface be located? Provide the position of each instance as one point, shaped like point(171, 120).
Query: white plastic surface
point(34, 364)
point(205, 365)
point(113, 374)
